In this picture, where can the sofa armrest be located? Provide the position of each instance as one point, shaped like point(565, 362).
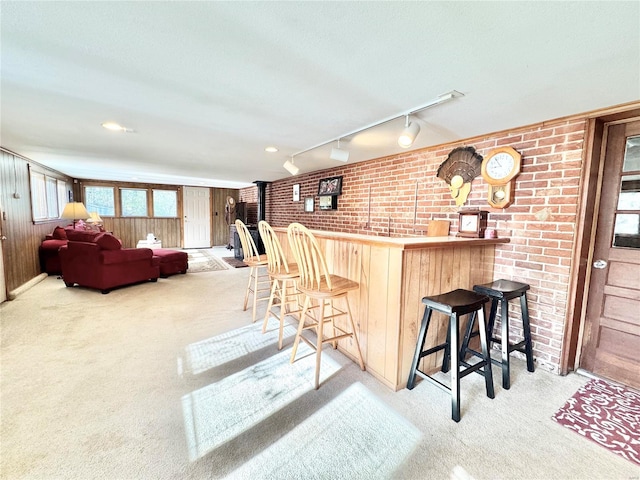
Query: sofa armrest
point(125, 255)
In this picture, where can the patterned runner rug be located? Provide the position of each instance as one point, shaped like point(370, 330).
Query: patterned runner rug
point(606, 414)
point(203, 261)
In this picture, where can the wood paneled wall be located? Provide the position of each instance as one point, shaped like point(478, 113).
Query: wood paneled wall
point(131, 230)
point(220, 229)
point(23, 237)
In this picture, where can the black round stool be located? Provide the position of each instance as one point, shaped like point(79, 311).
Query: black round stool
point(503, 291)
point(454, 304)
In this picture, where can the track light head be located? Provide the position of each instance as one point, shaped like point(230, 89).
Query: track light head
point(339, 155)
point(290, 167)
point(409, 134)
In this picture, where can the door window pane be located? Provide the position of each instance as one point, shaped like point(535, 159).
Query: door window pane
point(133, 202)
point(101, 200)
point(632, 155)
point(165, 203)
point(627, 230)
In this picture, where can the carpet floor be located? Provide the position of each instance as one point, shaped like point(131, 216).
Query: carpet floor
point(606, 414)
point(173, 381)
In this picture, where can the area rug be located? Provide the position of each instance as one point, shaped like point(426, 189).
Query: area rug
point(234, 262)
point(606, 414)
point(204, 261)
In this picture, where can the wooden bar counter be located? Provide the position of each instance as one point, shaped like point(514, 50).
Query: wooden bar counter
point(394, 274)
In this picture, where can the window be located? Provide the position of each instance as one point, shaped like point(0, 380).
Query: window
point(48, 196)
point(63, 199)
point(165, 203)
point(101, 200)
point(133, 202)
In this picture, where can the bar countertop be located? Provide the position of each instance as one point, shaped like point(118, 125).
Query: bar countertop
point(404, 243)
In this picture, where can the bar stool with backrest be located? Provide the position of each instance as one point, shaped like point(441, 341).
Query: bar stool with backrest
point(317, 284)
point(453, 304)
point(502, 291)
point(283, 277)
point(258, 267)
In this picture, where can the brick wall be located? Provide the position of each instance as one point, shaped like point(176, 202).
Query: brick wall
point(250, 196)
point(379, 198)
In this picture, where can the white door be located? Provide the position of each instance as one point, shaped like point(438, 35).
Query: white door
point(197, 217)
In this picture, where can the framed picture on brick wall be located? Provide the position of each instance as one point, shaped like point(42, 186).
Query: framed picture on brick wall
point(330, 186)
point(308, 204)
point(296, 192)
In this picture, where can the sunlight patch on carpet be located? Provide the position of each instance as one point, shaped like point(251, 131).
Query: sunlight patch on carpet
point(354, 436)
point(221, 411)
point(606, 414)
point(229, 346)
point(204, 261)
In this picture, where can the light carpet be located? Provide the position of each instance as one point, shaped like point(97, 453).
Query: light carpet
point(122, 386)
point(606, 414)
point(204, 261)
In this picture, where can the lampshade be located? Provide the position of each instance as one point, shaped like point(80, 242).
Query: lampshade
point(74, 211)
point(409, 134)
point(290, 167)
point(94, 218)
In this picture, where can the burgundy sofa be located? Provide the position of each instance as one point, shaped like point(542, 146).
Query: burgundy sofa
point(105, 265)
point(48, 250)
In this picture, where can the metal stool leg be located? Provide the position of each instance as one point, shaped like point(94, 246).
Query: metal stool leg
point(455, 371)
point(446, 359)
point(506, 382)
point(422, 336)
point(526, 330)
point(484, 343)
point(464, 349)
point(492, 320)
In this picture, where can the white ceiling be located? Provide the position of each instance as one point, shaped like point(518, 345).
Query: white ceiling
point(206, 86)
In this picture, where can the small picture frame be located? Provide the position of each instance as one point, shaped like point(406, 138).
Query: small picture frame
point(308, 204)
point(330, 186)
point(296, 192)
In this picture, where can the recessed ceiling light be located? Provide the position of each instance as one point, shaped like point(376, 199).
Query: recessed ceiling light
point(271, 149)
point(116, 127)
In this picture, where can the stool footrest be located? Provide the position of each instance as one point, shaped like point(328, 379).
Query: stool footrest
point(435, 349)
point(512, 347)
point(433, 381)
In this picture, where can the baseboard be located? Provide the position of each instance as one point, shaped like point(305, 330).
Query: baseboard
point(26, 286)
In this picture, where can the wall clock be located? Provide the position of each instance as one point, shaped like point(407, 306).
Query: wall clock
point(472, 223)
point(499, 168)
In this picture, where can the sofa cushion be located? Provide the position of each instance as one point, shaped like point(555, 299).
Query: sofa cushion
point(106, 241)
point(59, 233)
point(82, 236)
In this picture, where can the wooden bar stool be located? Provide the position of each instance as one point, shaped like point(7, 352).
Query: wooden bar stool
point(454, 304)
point(258, 267)
point(502, 291)
point(283, 277)
point(316, 283)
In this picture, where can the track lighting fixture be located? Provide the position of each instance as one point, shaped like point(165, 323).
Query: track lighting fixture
point(291, 167)
point(409, 134)
point(339, 154)
point(406, 139)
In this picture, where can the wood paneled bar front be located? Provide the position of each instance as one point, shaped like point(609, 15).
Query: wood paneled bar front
point(394, 274)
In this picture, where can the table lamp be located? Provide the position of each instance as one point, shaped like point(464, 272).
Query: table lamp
point(74, 211)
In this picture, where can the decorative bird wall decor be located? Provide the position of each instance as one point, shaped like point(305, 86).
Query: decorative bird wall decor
point(462, 165)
